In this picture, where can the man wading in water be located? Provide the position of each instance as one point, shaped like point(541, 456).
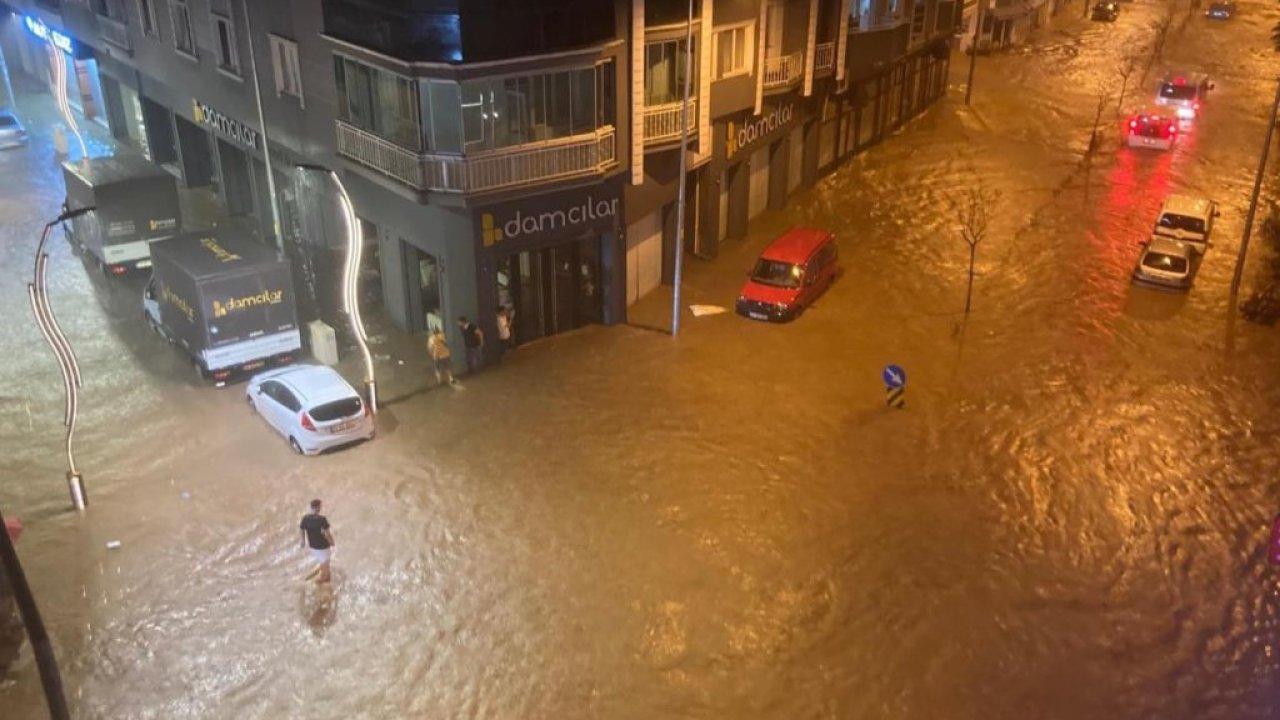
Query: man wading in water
point(318, 540)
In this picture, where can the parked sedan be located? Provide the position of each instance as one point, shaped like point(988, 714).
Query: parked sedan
point(312, 406)
point(1168, 262)
point(1220, 11)
point(1105, 12)
point(12, 134)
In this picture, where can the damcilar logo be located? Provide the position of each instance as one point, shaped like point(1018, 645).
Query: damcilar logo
point(489, 234)
point(266, 297)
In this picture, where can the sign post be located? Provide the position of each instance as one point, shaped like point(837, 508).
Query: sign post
point(895, 386)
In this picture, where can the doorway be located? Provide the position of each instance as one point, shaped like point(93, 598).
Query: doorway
point(237, 184)
point(551, 290)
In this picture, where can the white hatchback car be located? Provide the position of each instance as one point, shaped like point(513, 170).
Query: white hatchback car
point(1168, 262)
point(12, 134)
point(312, 406)
point(1187, 218)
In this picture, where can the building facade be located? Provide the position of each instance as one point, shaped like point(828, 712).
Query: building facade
point(523, 153)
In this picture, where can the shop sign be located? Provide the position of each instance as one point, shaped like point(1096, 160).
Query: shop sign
point(743, 134)
point(223, 125)
point(540, 219)
point(44, 32)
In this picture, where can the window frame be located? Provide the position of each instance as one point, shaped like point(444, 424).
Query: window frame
point(236, 69)
point(191, 53)
point(748, 50)
point(148, 19)
point(293, 69)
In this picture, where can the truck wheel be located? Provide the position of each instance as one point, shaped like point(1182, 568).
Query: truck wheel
point(199, 370)
point(293, 443)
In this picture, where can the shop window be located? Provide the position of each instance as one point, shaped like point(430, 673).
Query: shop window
point(378, 102)
point(147, 14)
point(183, 40)
point(664, 72)
point(228, 58)
point(733, 48)
point(284, 60)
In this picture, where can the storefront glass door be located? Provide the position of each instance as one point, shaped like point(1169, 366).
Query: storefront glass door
point(551, 290)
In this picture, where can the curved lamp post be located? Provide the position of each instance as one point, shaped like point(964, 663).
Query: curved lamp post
point(351, 281)
point(38, 293)
point(59, 61)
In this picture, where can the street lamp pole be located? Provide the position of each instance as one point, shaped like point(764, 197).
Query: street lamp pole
point(351, 281)
point(59, 62)
point(973, 50)
point(684, 150)
point(262, 123)
point(41, 647)
point(1253, 201)
point(38, 294)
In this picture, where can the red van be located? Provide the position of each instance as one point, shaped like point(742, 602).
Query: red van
point(790, 274)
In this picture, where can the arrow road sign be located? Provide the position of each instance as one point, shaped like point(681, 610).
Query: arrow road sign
point(894, 376)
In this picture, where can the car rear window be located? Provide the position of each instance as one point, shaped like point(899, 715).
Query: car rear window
point(1174, 91)
point(7, 121)
point(1181, 222)
point(336, 410)
point(1169, 263)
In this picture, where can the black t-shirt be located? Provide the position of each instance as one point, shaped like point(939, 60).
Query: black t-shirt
point(471, 335)
point(314, 525)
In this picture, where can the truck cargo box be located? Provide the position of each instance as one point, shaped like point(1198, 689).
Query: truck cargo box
point(136, 202)
point(226, 298)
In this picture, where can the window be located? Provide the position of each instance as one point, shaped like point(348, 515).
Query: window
point(147, 13)
point(917, 20)
point(182, 39)
point(379, 102)
point(225, 32)
point(733, 50)
point(284, 59)
point(500, 112)
point(664, 72)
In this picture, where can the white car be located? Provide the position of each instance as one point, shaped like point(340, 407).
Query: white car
point(12, 134)
point(312, 406)
point(1187, 218)
point(1184, 92)
point(1165, 261)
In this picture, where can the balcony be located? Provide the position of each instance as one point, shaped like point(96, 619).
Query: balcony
point(115, 32)
point(783, 70)
point(824, 56)
point(550, 160)
point(662, 122)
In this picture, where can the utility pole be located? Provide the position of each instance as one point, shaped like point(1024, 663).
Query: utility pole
point(1253, 202)
point(41, 647)
point(262, 123)
point(973, 50)
point(684, 162)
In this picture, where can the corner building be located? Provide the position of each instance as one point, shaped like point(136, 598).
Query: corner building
point(514, 152)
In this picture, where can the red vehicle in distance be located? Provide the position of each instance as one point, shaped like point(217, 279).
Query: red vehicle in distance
point(790, 274)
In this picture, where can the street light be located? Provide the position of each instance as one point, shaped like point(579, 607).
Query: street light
point(684, 150)
point(60, 94)
point(38, 293)
point(351, 281)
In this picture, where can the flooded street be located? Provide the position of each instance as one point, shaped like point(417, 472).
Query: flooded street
point(1068, 520)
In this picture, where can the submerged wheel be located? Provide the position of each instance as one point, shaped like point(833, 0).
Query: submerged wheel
point(293, 443)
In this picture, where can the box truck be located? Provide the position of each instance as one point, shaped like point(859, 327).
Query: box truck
point(135, 202)
point(224, 298)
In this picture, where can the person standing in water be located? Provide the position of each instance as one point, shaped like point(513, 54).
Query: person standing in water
point(318, 539)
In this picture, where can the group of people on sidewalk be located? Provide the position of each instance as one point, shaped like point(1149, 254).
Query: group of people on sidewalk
point(473, 339)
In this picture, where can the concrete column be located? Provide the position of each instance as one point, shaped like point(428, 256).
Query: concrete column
point(637, 92)
point(810, 47)
point(842, 38)
point(705, 69)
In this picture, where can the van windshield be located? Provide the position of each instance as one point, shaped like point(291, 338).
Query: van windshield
point(1168, 263)
point(776, 273)
point(1182, 222)
point(1173, 91)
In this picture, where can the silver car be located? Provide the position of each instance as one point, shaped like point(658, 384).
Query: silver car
point(1168, 262)
point(12, 134)
point(312, 406)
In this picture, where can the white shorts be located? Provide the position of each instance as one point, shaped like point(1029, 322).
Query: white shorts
point(319, 556)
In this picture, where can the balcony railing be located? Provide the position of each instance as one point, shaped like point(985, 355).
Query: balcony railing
point(519, 165)
point(783, 69)
point(824, 56)
point(115, 32)
point(662, 122)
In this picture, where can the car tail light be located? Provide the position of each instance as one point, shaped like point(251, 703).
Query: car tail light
point(221, 374)
point(1195, 106)
point(306, 422)
point(1133, 124)
point(117, 269)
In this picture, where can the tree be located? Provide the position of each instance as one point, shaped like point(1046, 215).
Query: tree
point(974, 210)
point(1129, 62)
point(1275, 37)
point(1104, 94)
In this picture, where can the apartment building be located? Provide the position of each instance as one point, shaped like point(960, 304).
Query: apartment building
point(514, 152)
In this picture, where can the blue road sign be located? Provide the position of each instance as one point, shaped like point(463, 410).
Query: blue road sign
point(894, 376)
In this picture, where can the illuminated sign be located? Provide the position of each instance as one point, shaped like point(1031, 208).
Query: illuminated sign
point(266, 297)
point(223, 125)
point(760, 126)
point(527, 222)
point(44, 32)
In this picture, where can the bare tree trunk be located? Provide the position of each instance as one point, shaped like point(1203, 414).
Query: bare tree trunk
point(1124, 85)
point(968, 296)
